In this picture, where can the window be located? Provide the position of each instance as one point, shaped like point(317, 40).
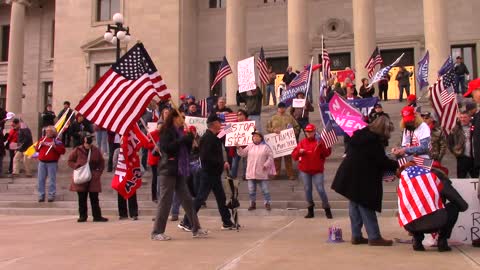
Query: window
point(389, 56)
point(279, 64)
point(338, 61)
point(217, 90)
point(52, 40)
point(101, 69)
point(4, 36)
point(47, 93)
point(3, 96)
point(106, 9)
point(469, 55)
point(216, 3)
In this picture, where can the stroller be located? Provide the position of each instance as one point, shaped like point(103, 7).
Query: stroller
point(233, 204)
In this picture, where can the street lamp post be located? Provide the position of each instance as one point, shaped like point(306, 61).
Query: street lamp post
point(120, 33)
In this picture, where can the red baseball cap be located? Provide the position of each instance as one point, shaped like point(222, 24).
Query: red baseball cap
point(350, 85)
point(408, 114)
point(182, 97)
point(411, 98)
point(192, 129)
point(473, 85)
point(310, 127)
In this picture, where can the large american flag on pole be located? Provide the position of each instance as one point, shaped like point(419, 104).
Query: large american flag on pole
point(418, 194)
point(222, 72)
point(444, 101)
point(374, 60)
point(383, 73)
point(121, 95)
point(262, 68)
point(326, 73)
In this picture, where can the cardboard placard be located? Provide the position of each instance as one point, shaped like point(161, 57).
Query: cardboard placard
point(246, 75)
point(298, 102)
point(241, 133)
point(199, 123)
point(151, 126)
point(467, 227)
point(281, 144)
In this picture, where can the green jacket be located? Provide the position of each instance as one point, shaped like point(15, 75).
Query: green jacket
point(281, 122)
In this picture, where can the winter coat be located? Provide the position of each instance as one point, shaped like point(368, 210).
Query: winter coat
point(359, 176)
point(403, 78)
point(439, 144)
point(367, 92)
point(282, 122)
point(77, 129)
point(211, 153)
point(457, 140)
point(312, 160)
point(169, 144)
point(57, 149)
point(25, 139)
point(48, 118)
point(297, 112)
point(253, 104)
point(259, 161)
point(78, 157)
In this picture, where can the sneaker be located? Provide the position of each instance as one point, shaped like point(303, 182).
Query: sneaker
point(268, 207)
point(161, 237)
point(200, 234)
point(184, 227)
point(227, 227)
point(100, 219)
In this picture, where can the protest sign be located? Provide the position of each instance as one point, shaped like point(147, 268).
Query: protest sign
point(344, 74)
point(281, 144)
point(467, 227)
point(240, 132)
point(346, 116)
point(151, 126)
point(199, 123)
point(298, 103)
point(246, 75)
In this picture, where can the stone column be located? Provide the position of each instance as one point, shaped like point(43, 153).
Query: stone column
point(15, 55)
point(364, 35)
point(236, 43)
point(436, 35)
point(298, 40)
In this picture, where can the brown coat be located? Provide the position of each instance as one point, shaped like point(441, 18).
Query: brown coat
point(78, 158)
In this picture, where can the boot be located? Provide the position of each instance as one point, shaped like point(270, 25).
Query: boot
point(253, 206)
point(443, 245)
point(311, 211)
point(417, 244)
point(380, 242)
point(328, 213)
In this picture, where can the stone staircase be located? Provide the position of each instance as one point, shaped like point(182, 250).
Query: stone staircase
point(18, 196)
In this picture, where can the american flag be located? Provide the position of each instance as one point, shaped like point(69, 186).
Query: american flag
point(262, 68)
point(328, 135)
point(301, 78)
point(444, 101)
point(223, 71)
point(418, 194)
point(203, 107)
point(227, 118)
point(326, 74)
point(374, 60)
point(420, 161)
point(225, 130)
point(383, 73)
point(119, 98)
point(447, 66)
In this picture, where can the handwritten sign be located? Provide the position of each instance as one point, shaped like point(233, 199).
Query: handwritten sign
point(199, 123)
point(282, 144)
point(467, 227)
point(241, 133)
point(246, 75)
point(347, 117)
point(298, 103)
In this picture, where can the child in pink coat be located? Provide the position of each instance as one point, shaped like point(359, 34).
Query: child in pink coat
point(259, 166)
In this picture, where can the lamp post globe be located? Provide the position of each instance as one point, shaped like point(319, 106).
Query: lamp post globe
point(118, 18)
point(121, 35)
point(108, 36)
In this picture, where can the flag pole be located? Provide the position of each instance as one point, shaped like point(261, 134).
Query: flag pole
point(61, 131)
point(308, 85)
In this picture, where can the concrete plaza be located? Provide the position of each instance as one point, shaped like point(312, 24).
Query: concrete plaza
point(270, 242)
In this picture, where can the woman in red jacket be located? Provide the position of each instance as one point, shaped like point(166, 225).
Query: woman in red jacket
point(311, 156)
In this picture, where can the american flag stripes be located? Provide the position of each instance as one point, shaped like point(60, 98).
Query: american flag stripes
point(222, 72)
point(328, 135)
point(374, 60)
point(301, 78)
point(326, 73)
point(418, 194)
point(262, 68)
point(120, 97)
point(203, 107)
point(444, 101)
point(420, 161)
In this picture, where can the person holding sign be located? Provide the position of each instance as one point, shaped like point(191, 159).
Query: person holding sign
point(253, 106)
point(301, 114)
point(259, 166)
point(311, 155)
point(277, 123)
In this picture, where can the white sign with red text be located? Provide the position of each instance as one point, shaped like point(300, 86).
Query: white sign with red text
point(246, 75)
point(241, 133)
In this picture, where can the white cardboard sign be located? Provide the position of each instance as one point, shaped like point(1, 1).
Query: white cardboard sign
point(468, 223)
point(241, 133)
point(298, 103)
point(151, 126)
point(199, 123)
point(282, 144)
point(246, 75)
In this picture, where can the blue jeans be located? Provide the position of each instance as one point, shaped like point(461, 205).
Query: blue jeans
point(401, 88)
point(236, 163)
point(44, 169)
point(360, 216)
point(176, 202)
point(460, 84)
point(318, 180)
point(252, 190)
point(102, 142)
point(271, 89)
point(258, 121)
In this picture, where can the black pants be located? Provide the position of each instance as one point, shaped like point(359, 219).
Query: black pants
point(66, 138)
point(445, 231)
point(209, 182)
point(111, 149)
point(154, 183)
point(132, 208)
point(466, 166)
point(382, 92)
point(143, 159)
point(10, 164)
point(82, 205)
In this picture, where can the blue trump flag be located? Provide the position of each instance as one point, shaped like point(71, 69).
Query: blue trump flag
point(422, 72)
point(364, 105)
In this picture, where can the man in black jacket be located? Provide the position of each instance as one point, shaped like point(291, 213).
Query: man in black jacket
point(461, 71)
point(24, 142)
point(211, 158)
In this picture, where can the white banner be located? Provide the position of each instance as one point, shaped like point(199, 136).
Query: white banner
point(199, 123)
point(298, 103)
point(246, 75)
point(282, 144)
point(468, 223)
point(240, 132)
